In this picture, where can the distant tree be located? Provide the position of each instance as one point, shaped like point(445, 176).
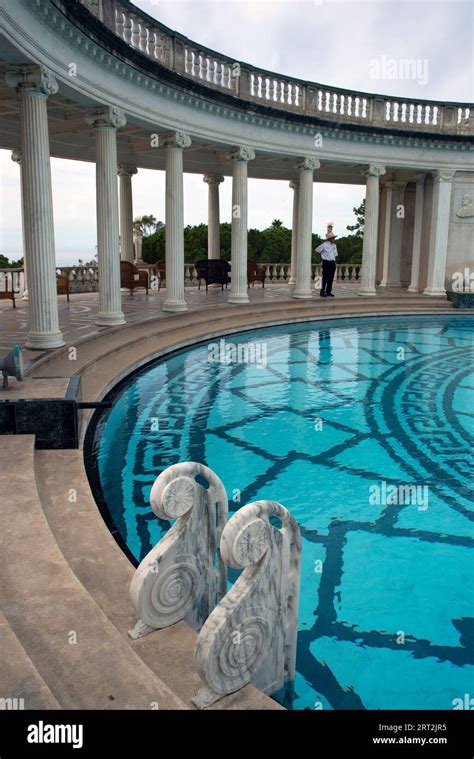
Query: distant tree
point(5, 263)
point(150, 224)
point(276, 223)
point(358, 227)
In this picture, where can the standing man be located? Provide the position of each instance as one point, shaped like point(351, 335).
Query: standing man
point(328, 252)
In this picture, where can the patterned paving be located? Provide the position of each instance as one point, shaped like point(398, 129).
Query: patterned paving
point(76, 318)
point(387, 588)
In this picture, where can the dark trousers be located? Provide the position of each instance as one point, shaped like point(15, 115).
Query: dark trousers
point(329, 268)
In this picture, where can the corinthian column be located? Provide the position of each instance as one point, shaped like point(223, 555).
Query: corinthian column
point(295, 186)
point(213, 225)
point(369, 247)
point(417, 229)
point(302, 288)
point(240, 156)
point(442, 184)
point(126, 211)
point(33, 84)
point(16, 157)
point(174, 142)
point(106, 120)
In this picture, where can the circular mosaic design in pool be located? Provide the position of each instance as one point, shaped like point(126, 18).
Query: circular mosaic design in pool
point(363, 429)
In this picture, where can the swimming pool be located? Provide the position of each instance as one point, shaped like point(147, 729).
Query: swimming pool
point(363, 428)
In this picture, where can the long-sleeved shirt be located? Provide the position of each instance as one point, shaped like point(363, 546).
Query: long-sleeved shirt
point(327, 250)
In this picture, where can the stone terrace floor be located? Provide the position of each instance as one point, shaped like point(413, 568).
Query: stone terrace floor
point(76, 318)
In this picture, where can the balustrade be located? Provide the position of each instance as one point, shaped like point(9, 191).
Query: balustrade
point(220, 72)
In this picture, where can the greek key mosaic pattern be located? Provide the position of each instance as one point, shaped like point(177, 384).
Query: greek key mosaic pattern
point(385, 617)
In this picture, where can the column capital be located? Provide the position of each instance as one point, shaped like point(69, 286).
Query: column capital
point(442, 175)
point(307, 163)
point(374, 170)
point(420, 179)
point(212, 178)
point(126, 170)
point(16, 156)
point(294, 184)
point(175, 140)
point(31, 79)
point(240, 153)
point(106, 116)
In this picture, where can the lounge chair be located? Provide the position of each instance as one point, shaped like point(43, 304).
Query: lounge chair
point(131, 278)
point(214, 271)
point(255, 273)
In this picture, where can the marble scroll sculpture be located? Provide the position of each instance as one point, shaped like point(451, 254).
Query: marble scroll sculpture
point(250, 637)
point(183, 576)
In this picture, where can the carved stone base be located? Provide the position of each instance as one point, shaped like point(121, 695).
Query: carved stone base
point(206, 697)
point(140, 630)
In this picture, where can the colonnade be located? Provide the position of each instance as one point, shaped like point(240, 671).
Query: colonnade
point(34, 83)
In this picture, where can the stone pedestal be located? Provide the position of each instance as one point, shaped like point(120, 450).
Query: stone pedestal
point(174, 143)
point(417, 229)
point(213, 227)
point(302, 288)
point(295, 186)
point(106, 121)
point(240, 156)
point(369, 248)
point(125, 173)
point(439, 233)
point(33, 85)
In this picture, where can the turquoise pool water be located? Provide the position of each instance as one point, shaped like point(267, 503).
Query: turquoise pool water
point(332, 421)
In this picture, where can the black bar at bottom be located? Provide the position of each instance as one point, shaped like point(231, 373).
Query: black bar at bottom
point(316, 733)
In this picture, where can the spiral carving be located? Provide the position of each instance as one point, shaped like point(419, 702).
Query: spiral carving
point(169, 595)
point(178, 579)
point(251, 635)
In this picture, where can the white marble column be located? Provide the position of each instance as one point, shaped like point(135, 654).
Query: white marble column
point(213, 224)
point(16, 157)
point(33, 85)
point(240, 156)
point(106, 120)
point(126, 173)
point(302, 288)
point(387, 228)
point(417, 230)
point(442, 184)
point(174, 143)
point(295, 186)
point(392, 262)
point(369, 247)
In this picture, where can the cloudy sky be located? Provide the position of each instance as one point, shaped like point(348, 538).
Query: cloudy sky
point(348, 44)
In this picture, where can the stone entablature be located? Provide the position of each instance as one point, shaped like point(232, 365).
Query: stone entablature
point(219, 72)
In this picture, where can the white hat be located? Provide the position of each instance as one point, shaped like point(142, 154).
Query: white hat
point(330, 235)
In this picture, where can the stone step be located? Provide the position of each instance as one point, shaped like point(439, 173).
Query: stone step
point(105, 572)
point(21, 685)
point(74, 647)
point(120, 337)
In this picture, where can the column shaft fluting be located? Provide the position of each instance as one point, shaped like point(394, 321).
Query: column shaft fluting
point(387, 230)
point(33, 84)
point(439, 233)
point(417, 230)
point(369, 247)
point(174, 143)
point(126, 212)
point(240, 157)
point(110, 299)
point(295, 186)
point(16, 157)
point(302, 288)
point(213, 225)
